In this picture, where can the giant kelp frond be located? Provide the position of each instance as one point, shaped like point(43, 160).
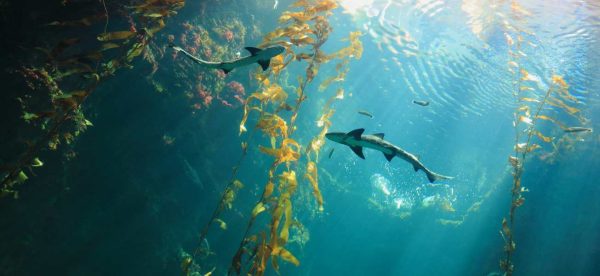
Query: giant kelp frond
point(542, 105)
point(70, 71)
point(302, 31)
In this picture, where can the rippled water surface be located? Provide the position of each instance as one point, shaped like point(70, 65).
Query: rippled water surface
point(456, 85)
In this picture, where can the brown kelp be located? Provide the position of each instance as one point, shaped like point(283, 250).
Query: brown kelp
point(64, 76)
point(302, 32)
point(532, 120)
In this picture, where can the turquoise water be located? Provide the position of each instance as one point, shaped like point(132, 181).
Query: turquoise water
point(149, 173)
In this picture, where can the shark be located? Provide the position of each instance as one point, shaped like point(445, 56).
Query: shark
point(356, 141)
point(258, 55)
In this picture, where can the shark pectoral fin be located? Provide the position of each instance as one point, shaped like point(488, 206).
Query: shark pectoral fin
point(415, 167)
point(264, 64)
point(356, 133)
point(253, 50)
point(358, 151)
point(389, 156)
point(380, 135)
point(226, 71)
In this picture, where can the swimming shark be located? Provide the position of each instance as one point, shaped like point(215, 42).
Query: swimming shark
point(356, 141)
point(260, 56)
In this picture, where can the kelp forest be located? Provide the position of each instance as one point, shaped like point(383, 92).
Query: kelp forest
point(129, 148)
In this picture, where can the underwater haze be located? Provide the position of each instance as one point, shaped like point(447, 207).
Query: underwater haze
point(142, 137)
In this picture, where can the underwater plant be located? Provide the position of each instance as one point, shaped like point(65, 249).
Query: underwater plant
point(56, 91)
point(535, 97)
point(302, 33)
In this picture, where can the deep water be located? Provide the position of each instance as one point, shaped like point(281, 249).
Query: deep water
point(145, 178)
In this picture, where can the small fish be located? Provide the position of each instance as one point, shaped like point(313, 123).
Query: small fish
point(578, 129)
point(421, 103)
point(331, 152)
point(366, 113)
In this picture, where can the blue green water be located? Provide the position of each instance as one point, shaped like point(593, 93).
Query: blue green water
point(133, 203)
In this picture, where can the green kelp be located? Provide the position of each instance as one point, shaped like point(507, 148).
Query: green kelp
point(276, 105)
point(531, 118)
point(61, 78)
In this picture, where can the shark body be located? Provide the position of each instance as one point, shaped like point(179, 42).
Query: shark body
point(356, 141)
point(257, 55)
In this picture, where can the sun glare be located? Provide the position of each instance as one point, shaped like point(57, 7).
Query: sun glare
point(352, 6)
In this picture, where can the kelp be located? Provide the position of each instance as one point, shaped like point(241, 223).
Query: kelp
point(302, 32)
point(57, 113)
point(533, 105)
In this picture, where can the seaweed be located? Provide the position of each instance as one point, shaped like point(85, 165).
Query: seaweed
point(277, 106)
point(533, 105)
point(67, 74)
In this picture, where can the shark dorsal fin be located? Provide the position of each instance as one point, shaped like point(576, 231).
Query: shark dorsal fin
point(264, 63)
point(356, 133)
point(358, 151)
point(389, 156)
point(253, 50)
point(380, 135)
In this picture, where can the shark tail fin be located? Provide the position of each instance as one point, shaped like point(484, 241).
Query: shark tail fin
point(434, 176)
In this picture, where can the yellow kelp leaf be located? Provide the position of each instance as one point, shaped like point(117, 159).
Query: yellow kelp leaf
point(526, 120)
point(37, 162)
point(522, 147)
point(269, 189)
point(300, 3)
point(259, 208)
point(547, 118)
point(525, 99)
point(288, 181)
point(327, 82)
point(238, 184)
point(340, 94)
point(560, 103)
point(272, 125)
point(285, 229)
point(289, 151)
point(303, 40)
point(273, 93)
point(312, 176)
point(21, 177)
point(120, 35)
point(288, 257)
point(135, 51)
point(560, 81)
point(108, 46)
point(543, 137)
point(221, 223)
point(298, 16)
point(277, 64)
point(228, 198)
